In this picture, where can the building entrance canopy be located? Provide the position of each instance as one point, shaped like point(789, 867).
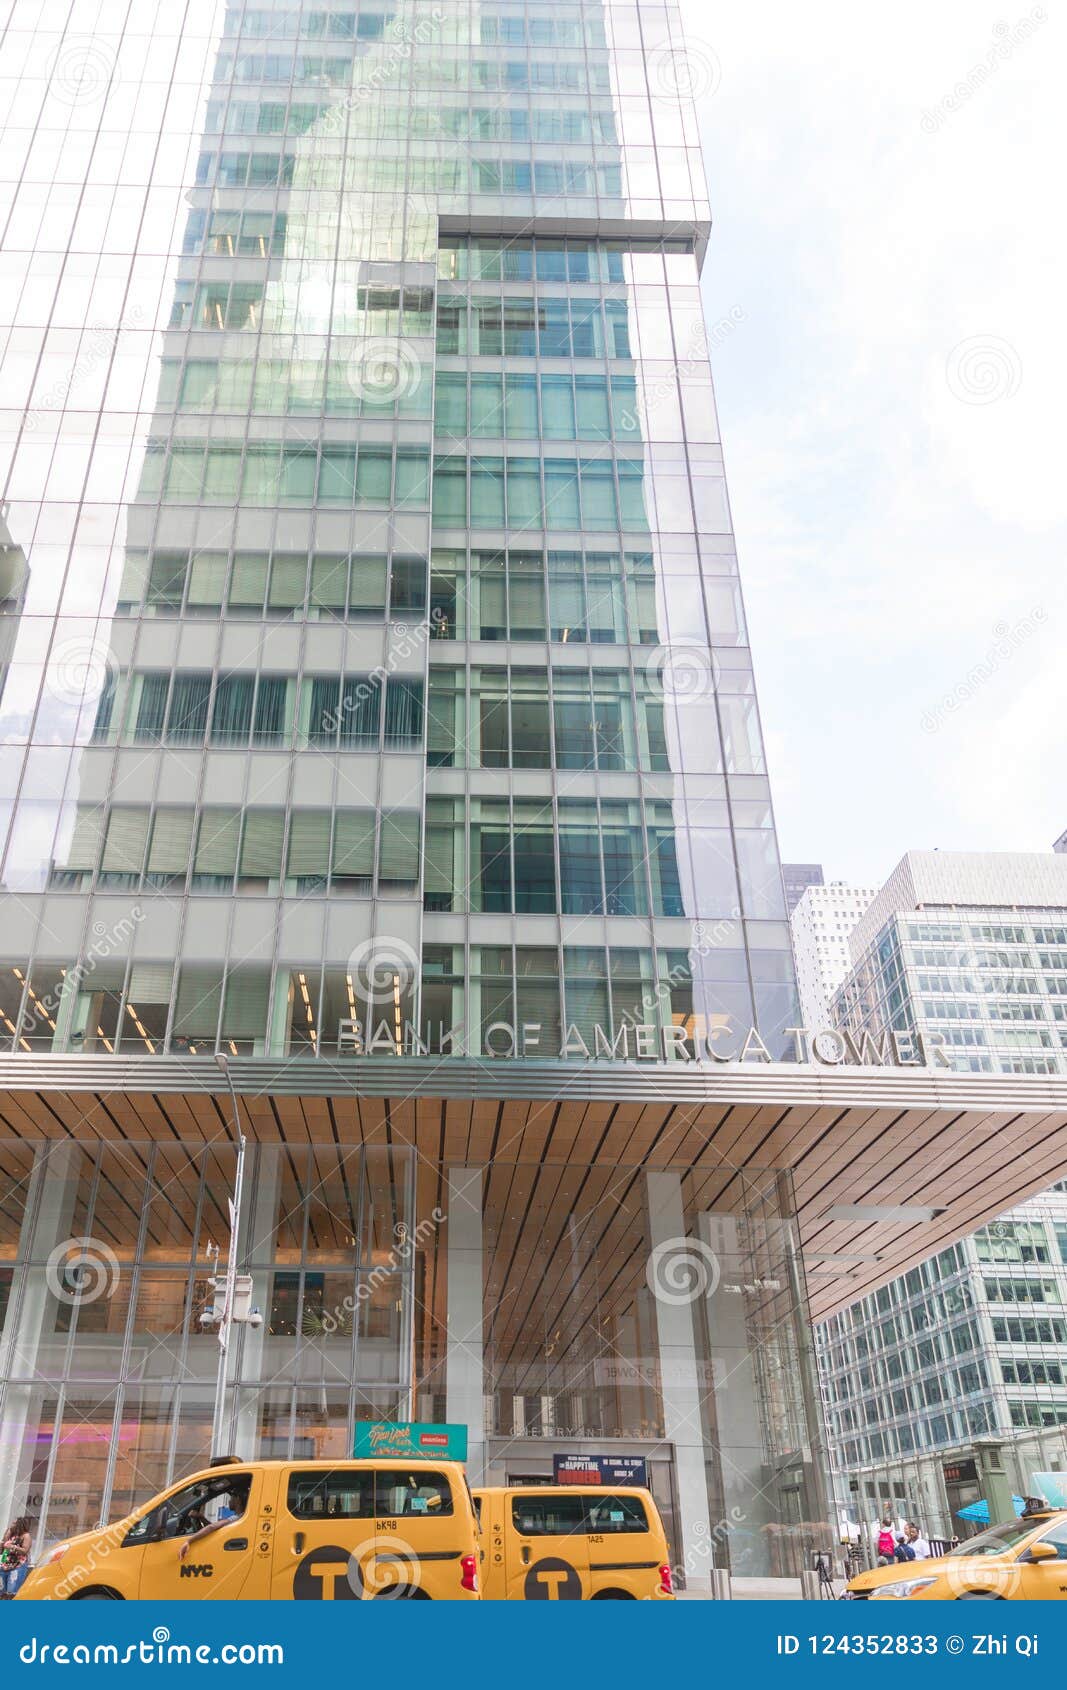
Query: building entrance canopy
point(887, 1166)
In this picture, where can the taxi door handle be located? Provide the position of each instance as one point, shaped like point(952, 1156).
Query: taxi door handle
point(298, 1543)
point(526, 1554)
point(236, 1543)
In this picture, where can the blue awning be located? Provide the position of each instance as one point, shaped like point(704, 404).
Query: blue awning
point(979, 1511)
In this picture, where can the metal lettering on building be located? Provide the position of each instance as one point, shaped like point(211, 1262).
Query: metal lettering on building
point(826, 1047)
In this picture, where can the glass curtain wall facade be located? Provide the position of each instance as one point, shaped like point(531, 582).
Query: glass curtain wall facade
point(360, 1264)
point(375, 648)
point(375, 679)
point(991, 983)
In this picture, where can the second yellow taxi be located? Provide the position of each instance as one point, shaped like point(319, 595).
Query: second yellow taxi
point(571, 1543)
point(1026, 1559)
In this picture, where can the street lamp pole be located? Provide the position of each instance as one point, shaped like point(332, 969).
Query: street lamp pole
point(226, 1315)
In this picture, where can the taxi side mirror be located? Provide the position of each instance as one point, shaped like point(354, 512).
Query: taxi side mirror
point(1042, 1552)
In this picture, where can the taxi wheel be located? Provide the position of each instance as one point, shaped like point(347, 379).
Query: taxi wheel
point(611, 1596)
point(402, 1593)
point(101, 1594)
point(979, 1596)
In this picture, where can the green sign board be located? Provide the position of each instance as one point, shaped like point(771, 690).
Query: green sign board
point(410, 1437)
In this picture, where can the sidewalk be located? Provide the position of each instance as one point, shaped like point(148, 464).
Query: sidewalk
point(755, 1590)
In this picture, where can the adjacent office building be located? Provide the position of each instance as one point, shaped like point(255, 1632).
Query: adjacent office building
point(379, 716)
point(796, 878)
point(970, 1345)
point(970, 949)
point(821, 921)
point(962, 1358)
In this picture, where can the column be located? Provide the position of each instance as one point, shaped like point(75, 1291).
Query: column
point(993, 1479)
point(743, 1461)
point(255, 1257)
point(680, 1380)
point(464, 1363)
point(30, 1323)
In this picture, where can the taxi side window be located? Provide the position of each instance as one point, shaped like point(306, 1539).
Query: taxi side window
point(388, 1493)
point(1058, 1539)
point(616, 1514)
point(207, 1502)
point(548, 1516)
point(412, 1492)
point(331, 1496)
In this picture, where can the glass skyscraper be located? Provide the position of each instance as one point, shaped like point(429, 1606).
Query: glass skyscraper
point(378, 648)
point(376, 686)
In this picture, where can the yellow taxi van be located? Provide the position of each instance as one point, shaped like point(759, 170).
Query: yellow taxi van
point(571, 1543)
point(303, 1531)
point(1022, 1560)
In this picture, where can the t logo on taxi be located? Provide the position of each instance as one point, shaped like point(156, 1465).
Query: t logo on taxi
point(552, 1580)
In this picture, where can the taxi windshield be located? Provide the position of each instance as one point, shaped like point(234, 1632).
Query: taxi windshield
point(997, 1539)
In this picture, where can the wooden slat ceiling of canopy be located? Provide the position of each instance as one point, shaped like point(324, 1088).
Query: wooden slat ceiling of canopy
point(966, 1146)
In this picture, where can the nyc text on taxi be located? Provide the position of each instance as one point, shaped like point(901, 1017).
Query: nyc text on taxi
point(289, 1531)
point(1024, 1560)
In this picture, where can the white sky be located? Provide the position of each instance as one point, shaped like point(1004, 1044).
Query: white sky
point(893, 534)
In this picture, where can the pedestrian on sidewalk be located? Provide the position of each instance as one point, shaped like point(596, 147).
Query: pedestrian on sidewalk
point(14, 1557)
